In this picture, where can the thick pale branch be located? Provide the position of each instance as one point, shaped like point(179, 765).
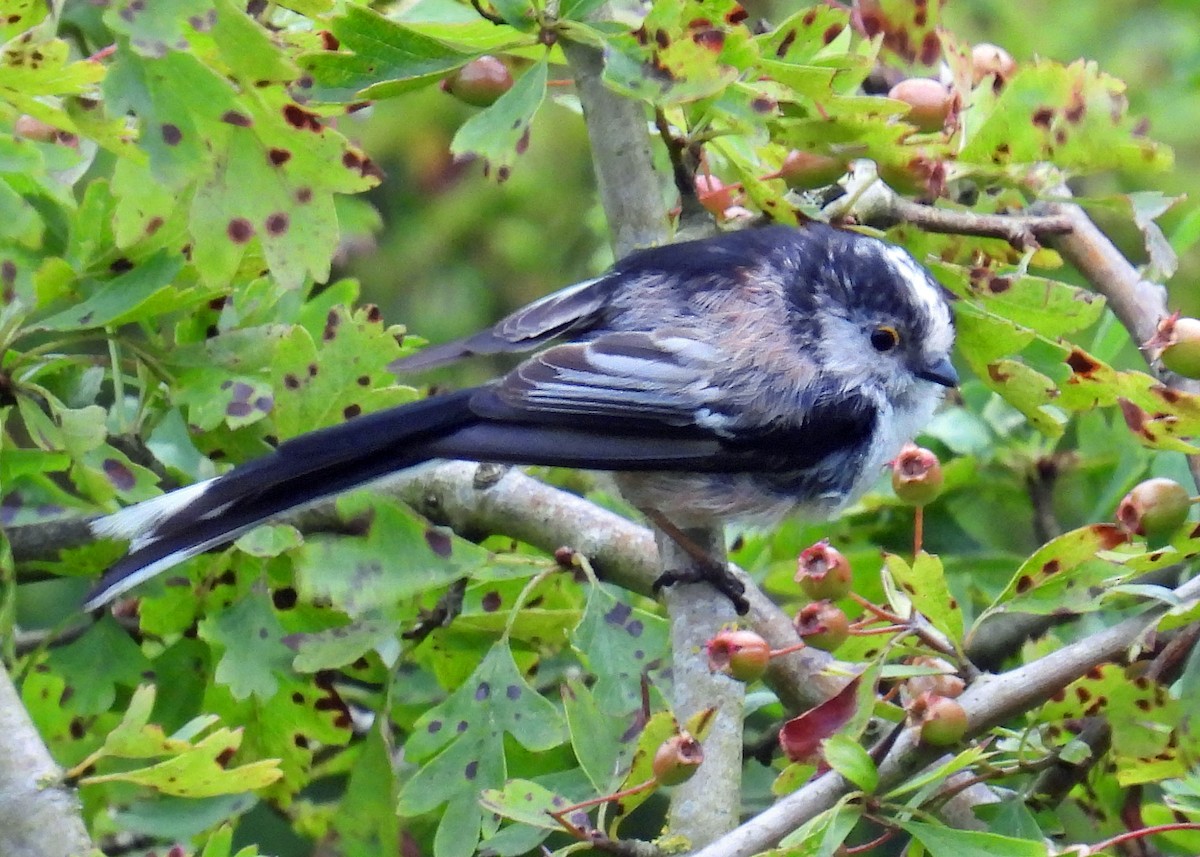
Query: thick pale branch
point(478, 500)
point(39, 817)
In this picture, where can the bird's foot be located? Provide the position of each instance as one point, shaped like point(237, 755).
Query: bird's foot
point(716, 574)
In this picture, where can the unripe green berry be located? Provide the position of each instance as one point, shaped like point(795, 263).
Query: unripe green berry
point(676, 759)
point(807, 170)
point(917, 476)
point(1178, 337)
point(943, 721)
point(822, 625)
point(744, 655)
point(823, 573)
point(1154, 508)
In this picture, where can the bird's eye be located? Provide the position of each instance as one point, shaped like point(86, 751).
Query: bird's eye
point(884, 338)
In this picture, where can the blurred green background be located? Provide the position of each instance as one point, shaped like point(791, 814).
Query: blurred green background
point(458, 250)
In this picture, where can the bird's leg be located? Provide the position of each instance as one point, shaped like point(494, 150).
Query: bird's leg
point(705, 568)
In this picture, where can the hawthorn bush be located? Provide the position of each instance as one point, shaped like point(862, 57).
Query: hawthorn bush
point(468, 659)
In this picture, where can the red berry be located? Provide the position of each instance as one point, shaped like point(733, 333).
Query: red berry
point(480, 82)
point(34, 129)
point(715, 195)
point(676, 759)
point(917, 476)
point(929, 102)
point(1154, 508)
point(744, 655)
point(822, 625)
point(823, 573)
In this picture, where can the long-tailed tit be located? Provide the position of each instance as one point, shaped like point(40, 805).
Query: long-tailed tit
point(736, 377)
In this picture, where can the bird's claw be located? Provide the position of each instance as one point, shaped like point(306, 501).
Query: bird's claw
point(716, 574)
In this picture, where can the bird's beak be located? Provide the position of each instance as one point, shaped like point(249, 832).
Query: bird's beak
point(940, 371)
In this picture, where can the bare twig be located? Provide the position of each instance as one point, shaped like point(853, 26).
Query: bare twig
point(869, 200)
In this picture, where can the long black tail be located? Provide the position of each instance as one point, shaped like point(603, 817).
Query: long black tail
point(169, 529)
point(177, 526)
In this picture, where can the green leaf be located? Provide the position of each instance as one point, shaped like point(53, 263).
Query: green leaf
point(620, 644)
point(695, 49)
point(1143, 715)
point(823, 835)
point(247, 48)
point(500, 133)
point(140, 293)
point(924, 583)
point(97, 664)
point(846, 756)
point(598, 739)
point(661, 726)
point(399, 555)
point(942, 841)
point(336, 373)
point(21, 15)
point(199, 772)
point(460, 744)
point(366, 819)
point(337, 647)
point(1065, 563)
point(251, 637)
point(1072, 115)
point(171, 818)
point(378, 57)
point(1050, 307)
point(32, 68)
point(526, 802)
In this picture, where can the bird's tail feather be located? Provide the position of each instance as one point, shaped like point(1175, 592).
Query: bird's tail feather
point(169, 529)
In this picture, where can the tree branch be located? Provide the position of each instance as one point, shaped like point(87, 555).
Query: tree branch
point(988, 702)
point(870, 200)
point(39, 816)
point(706, 806)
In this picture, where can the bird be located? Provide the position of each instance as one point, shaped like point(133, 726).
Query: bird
point(738, 377)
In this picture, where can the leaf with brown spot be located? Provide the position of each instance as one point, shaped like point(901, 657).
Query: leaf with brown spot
point(378, 57)
point(909, 28)
point(1073, 115)
point(390, 562)
point(343, 348)
point(1145, 721)
point(495, 134)
point(1062, 573)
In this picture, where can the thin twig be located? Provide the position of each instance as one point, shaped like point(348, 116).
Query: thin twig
point(869, 199)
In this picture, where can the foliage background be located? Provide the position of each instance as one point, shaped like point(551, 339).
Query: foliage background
point(272, 707)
